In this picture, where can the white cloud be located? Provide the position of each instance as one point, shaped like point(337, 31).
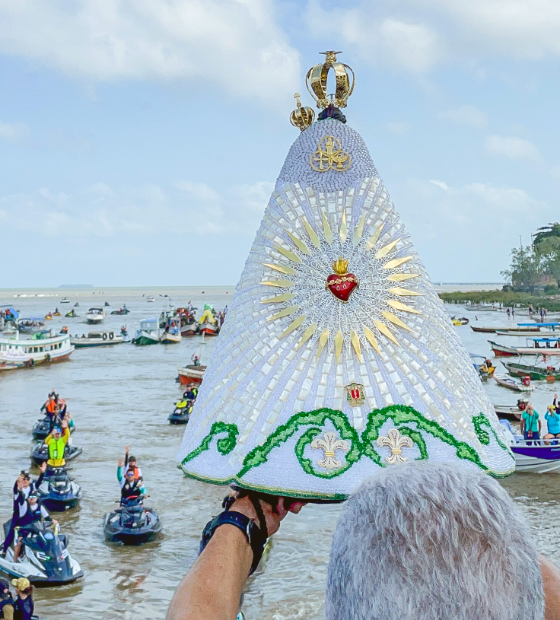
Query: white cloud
point(397, 127)
point(235, 45)
point(512, 148)
point(13, 132)
point(101, 211)
point(467, 115)
point(441, 184)
point(417, 36)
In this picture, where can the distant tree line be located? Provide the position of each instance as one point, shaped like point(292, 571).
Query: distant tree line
point(536, 266)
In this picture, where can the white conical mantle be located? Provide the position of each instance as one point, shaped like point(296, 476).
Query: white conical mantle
point(306, 394)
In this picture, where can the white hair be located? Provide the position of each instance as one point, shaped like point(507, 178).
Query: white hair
point(431, 541)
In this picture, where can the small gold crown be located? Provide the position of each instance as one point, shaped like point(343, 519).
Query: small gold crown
point(340, 266)
point(316, 81)
point(301, 117)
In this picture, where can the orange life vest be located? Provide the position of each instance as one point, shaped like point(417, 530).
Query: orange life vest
point(50, 406)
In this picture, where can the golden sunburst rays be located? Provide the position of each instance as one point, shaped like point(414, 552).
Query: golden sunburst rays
point(367, 330)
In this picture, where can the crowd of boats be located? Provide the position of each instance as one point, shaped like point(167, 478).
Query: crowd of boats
point(542, 346)
point(28, 341)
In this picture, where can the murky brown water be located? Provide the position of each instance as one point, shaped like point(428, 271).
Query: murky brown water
point(123, 395)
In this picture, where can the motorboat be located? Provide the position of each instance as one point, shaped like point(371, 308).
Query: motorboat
point(148, 333)
point(121, 311)
point(533, 455)
point(182, 412)
point(534, 346)
point(65, 300)
point(509, 412)
point(45, 560)
point(40, 453)
point(191, 374)
point(150, 299)
point(460, 321)
point(535, 373)
point(43, 427)
point(484, 330)
point(57, 491)
point(96, 339)
point(515, 385)
point(172, 333)
point(542, 330)
point(94, 316)
point(38, 349)
point(30, 325)
point(132, 523)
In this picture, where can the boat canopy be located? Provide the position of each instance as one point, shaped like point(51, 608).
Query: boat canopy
point(544, 339)
point(149, 324)
point(95, 310)
point(13, 311)
point(32, 318)
point(538, 324)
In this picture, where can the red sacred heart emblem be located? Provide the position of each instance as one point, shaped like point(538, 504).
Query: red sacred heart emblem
point(341, 283)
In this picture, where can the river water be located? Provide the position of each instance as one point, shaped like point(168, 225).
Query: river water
point(122, 395)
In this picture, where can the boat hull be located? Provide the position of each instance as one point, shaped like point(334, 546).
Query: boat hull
point(484, 330)
point(537, 459)
point(191, 374)
point(501, 350)
point(533, 372)
point(170, 338)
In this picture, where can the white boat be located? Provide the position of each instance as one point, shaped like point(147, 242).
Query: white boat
point(149, 332)
point(533, 455)
point(150, 299)
point(65, 300)
point(30, 325)
point(540, 330)
point(513, 384)
point(172, 335)
point(94, 316)
point(96, 339)
point(26, 352)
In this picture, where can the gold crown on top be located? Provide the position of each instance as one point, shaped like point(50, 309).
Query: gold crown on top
point(316, 81)
point(302, 116)
point(340, 266)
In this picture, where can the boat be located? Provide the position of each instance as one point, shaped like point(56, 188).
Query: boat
point(191, 374)
point(58, 492)
point(510, 412)
point(96, 339)
point(95, 316)
point(172, 334)
point(512, 384)
point(207, 324)
point(150, 299)
point(149, 332)
point(40, 453)
point(534, 346)
point(189, 329)
point(182, 412)
point(30, 325)
point(125, 335)
point(461, 321)
point(121, 311)
point(38, 349)
point(535, 373)
point(533, 455)
point(132, 523)
point(484, 330)
point(65, 300)
point(526, 329)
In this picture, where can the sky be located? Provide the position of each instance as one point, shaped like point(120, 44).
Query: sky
point(140, 139)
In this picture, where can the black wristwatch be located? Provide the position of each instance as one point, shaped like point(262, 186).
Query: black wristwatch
point(254, 536)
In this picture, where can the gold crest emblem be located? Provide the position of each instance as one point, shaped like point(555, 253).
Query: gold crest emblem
point(330, 156)
point(355, 394)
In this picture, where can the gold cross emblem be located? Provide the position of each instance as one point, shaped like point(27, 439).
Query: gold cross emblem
point(330, 156)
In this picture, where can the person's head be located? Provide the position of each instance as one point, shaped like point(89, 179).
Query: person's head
point(551, 408)
point(530, 408)
point(56, 432)
point(132, 461)
point(25, 479)
point(4, 589)
point(33, 499)
point(130, 475)
point(22, 586)
point(427, 540)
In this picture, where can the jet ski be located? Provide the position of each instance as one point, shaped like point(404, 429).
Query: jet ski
point(131, 524)
point(40, 453)
point(44, 558)
point(57, 491)
point(121, 311)
point(43, 427)
point(182, 412)
point(70, 315)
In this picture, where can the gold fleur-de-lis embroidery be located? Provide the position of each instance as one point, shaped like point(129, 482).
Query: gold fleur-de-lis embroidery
point(396, 442)
point(330, 156)
point(329, 445)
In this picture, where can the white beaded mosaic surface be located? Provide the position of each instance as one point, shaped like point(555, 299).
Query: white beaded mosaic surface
point(393, 337)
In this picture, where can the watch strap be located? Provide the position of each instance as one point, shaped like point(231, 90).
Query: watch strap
point(254, 536)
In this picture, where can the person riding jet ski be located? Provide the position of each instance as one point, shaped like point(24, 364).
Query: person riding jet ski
point(55, 449)
point(130, 486)
point(24, 486)
point(34, 512)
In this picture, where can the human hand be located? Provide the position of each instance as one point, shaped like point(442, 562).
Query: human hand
point(64, 424)
point(121, 462)
point(273, 514)
point(126, 449)
point(43, 467)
